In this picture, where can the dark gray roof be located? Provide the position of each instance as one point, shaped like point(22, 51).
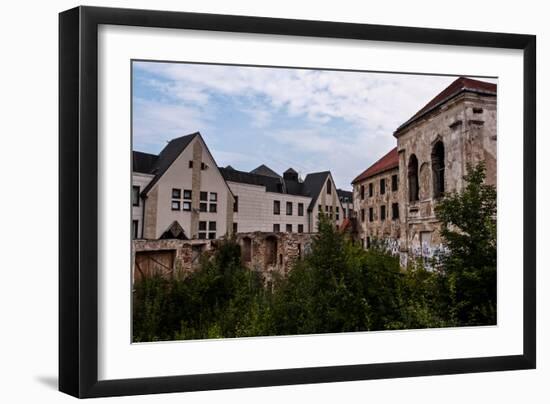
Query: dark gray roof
point(313, 184)
point(166, 157)
point(143, 162)
point(272, 184)
point(265, 170)
point(345, 194)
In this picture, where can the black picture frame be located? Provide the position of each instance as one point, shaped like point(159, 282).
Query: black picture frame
point(78, 201)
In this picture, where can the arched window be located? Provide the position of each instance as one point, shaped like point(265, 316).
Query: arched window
point(438, 169)
point(247, 249)
point(271, 250)
point(413, 178)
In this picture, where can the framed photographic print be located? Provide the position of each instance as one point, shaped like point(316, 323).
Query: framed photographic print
point(250, 201)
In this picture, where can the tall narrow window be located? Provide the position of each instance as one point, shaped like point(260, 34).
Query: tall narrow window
point(362, 192)
point(413, 178)
point(383, 212)
point(371, 215)
point(300, 209)
point(438, 169)
point(236, 204)
point(362, 215)
point(382, 186)
point(329, 187)
point(247, 249)
point(394, 182)
point(135, 195)
point(371, 190)
point(395, 211)
point(276, 207)
point(289, 208)
point(135, 227)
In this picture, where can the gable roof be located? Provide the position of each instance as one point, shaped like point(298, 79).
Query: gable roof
point(143, 162)
point(313, 183)
point(265, 170)
point(458, 86)
point(387, 162)
point(166, 157)
point(345, 194)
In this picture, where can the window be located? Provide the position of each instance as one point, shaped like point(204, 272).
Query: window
point(276, 228)
point(203, 166)
point(235, 227)
point(176, 193)
point(412, 173)
point(289, 208)
point(213, 208)
point(395, 211)
point(203, 207)
point(289, 228)
point(382, 186)
point(300, 228)
point(371, 190)
point(236, 204)
point(202, 226)
point(320, 208)
point(329, 187)
point(362, 192)
point(212, 226)
point(276, 207)
point(186, 205)
point(438, 169)
point(337, 216)
point(175, 205)
point(247, 249)
point(368, 242)
point(190, 163)
point(394, 182)
point(214, 196)
point(135, 226)
point(202, 236)
point(135, 195)
point(371, 215)
point(362, 215)
point(187, 194)
point(204, 196)
point(300, 209)
point(271, 250)
point(383, 212)
point(211, 235)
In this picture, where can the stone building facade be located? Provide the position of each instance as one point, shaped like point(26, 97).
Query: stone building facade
point(377, 202)
point(456, 128)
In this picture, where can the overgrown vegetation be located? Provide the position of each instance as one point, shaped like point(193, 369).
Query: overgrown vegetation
point(337, 287)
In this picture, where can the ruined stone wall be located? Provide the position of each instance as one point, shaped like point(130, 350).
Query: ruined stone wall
point(269, 252)
point(466, 126)
point(273, 252)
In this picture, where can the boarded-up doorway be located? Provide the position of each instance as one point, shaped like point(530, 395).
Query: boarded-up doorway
point(151, 263)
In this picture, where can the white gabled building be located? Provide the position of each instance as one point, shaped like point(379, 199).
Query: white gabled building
point(182, 193)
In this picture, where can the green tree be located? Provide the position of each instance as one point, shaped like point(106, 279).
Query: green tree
point(469, 230)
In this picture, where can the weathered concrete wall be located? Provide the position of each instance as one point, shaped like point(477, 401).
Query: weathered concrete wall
point(467, 128)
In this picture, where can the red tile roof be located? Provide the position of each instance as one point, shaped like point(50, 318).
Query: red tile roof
point(389, 161)
point(456, 87)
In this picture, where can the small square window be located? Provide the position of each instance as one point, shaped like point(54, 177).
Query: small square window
point(187, 194)
point(176, 193)
point(203, 207)
point(289, 228)
point(190, 163)
point(300, 228)
point(203, 166)
point(213, 207)
point(202, 236)
point(187, 206)
point(276, 228)
point(175, 205)
point(204, 196)
point(212, 235)
point(212, 226)
point(214, 196)
point(202, 226)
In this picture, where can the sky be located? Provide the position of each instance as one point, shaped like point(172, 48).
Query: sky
point(310, 120)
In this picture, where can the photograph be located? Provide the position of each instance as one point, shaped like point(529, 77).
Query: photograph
point(273, 201)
